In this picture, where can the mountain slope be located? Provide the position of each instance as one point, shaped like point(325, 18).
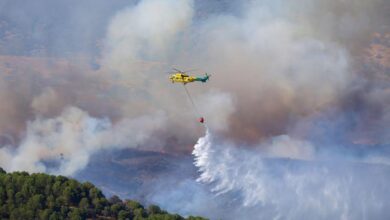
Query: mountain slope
point(42, 196)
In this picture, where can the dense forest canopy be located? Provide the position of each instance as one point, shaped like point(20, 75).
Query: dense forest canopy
point(42, 196)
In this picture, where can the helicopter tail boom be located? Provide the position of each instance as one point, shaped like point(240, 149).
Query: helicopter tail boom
point(203, 79)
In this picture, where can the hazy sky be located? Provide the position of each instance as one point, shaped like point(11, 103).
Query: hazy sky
point(304, 80)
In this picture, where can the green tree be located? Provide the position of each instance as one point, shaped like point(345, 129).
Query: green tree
point(124, 214)
point(64, 210)
point(106, 211)
point(56, 216)
point(84, 203)
point(153, 209)
point(51, 202)
point(22, 213)
point(133, 204)
point(19, 198)
point(40, 196)
point(45, 214)
point(195, 218)
point(76, 214)
point(116, 208)
point(114, 199)
point(36, 202)
point(3, 197)
point(139, 213)
point(67, 195)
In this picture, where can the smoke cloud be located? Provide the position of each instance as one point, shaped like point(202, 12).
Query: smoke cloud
point(145, 32)
point(70, 139)
point(271, 69)
point(298, 101)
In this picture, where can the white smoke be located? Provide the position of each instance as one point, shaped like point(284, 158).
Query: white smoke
point(292, 189)
point(217, 107)
point(44, 102)
point(70, 139)
point(145, 32)
point(271, 68)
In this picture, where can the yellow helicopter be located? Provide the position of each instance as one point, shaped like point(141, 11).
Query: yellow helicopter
point(182, 77)
point(179, 76)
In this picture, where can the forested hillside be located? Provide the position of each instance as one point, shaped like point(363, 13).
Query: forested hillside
point(42, 196)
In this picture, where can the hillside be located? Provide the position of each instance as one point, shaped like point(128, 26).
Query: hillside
point(131, 173)
point(42, 196)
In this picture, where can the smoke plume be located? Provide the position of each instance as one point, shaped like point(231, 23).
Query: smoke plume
point(298, 100)
point(70, 139)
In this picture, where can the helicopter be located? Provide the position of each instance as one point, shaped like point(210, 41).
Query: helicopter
point(179, 76)
point(182, 77)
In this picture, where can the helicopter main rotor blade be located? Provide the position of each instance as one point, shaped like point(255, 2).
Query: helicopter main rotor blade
point(191, 70)
point(185, 71)
point(177, 70)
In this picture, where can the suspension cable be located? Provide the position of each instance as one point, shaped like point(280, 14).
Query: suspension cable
point(192, 101)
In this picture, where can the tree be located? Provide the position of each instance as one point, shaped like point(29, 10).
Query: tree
point(35, 202)
point(95, 193)
point(3, 197)
point(55, 216)
point(19, 198)
point(139, 213)
point(195, 218)
point(124, 214)
point(133, 204)
point(51, 202)
point(56, 189)
point(153, 209)
point(40, 196)
point(64, 210)
point(115, 208)
point(114, 199)
point(67, 195)
point(106, 211)
point(76, 214)
point(84, 203)
point(4, 212)
point(99, 204)
point(22, 213)
point(45, 214)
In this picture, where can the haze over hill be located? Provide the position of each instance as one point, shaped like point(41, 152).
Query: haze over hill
point(298, 102)
point(42, 196)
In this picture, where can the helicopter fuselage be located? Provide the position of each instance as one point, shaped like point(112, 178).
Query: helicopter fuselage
point(184, 78)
